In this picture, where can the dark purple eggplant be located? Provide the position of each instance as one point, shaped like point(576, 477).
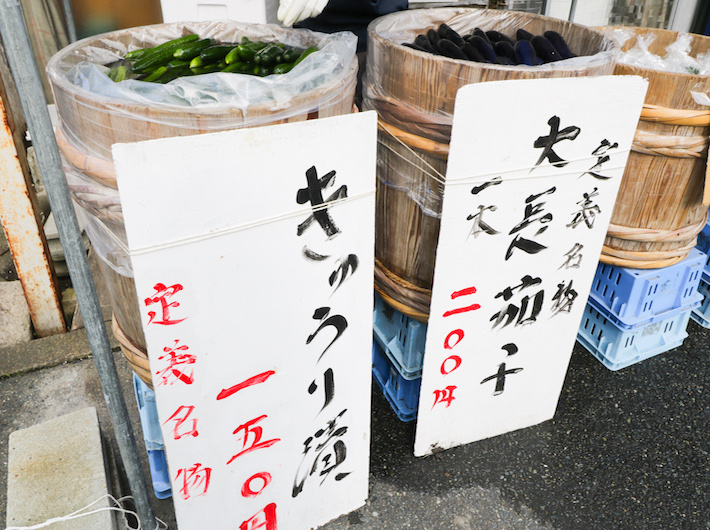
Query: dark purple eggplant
point(445, 32)
point(473, 53)
point(423, 42)
point(559, 43)
point(545, 50)
point(415, 47)
point(501, 59)
point(521, 34)
point(484, 48)
point(497, 36)
point(505, 49)
point(525, 53)
point(482, 34)
point(433, 37)
point(449, 49)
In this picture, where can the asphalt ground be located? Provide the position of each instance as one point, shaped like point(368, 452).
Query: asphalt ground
point(627, 449)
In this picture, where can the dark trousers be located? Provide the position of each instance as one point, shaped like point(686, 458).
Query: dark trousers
point(352, 15)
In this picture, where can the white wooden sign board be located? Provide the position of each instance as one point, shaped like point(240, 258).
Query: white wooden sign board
point(253, 259)
point(532, 176)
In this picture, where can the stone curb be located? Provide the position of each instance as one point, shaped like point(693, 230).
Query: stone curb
point(47, 352)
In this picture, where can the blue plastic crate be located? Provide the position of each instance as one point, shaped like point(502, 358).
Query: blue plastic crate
point(402, 394)
point(145, 398)
point(703, 245)
point(159, 474)
point(701, 314)
point(636, 297)
point(618, 348)
point(401, 338)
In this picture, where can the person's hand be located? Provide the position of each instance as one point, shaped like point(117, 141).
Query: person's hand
point(291, 11)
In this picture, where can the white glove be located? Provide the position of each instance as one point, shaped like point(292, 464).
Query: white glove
point(291, 11)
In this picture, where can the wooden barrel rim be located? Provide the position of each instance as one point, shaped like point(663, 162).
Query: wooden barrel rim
point(136, 357)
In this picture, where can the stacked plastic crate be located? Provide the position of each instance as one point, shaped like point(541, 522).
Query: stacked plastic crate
point(153, 438)
point(397, 357)
point(634, 314)
point(701, 314)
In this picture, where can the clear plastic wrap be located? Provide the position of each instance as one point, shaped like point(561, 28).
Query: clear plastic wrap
point(676, 57)
point(96, 112)
point(701, 94)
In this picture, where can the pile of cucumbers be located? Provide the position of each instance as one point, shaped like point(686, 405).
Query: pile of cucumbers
point(191, 55)
point(494, 47)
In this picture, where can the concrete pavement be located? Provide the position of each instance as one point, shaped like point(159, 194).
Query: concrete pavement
point(627, 449)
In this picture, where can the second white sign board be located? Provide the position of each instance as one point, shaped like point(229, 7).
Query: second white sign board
point(532, 176)
point(253, 262)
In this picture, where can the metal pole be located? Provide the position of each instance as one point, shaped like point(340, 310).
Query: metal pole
point(69, 18)
point(24, 71)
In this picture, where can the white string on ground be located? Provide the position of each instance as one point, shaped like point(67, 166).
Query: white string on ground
point(160, 525)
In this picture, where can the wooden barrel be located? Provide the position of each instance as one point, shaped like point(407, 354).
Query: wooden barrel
point(659, 210)
point(414, 94)
point(90, 123)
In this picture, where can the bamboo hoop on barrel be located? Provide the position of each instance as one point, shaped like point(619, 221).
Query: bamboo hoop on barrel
point(432, 147)
point(136, 357)
point(393, 289)
point(99, 169)
point(674, 146)
point(656, 235)
point(634, 264)
point(660, 114)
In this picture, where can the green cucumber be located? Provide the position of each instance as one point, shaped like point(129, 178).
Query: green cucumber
point(153, 60)
point(192, 50)
point(238, 67)
point(291, 54)
point(137, 54)
point(247, 52)
point(153, 57)
point(120, 75)
point(215, 53)
point(207, 69)
point(176, 43)
point(177, 64)
point(157, 73)
point(305, 54)
point(197, 62)
point(268, 55)
point(173, 74)
point(283, 68)
point(232, 56)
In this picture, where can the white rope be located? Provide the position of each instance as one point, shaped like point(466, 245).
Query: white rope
point(247, 226)
point(160, 525)
point(476, 178)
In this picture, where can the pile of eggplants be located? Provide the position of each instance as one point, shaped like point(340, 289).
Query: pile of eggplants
point(494, 47)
